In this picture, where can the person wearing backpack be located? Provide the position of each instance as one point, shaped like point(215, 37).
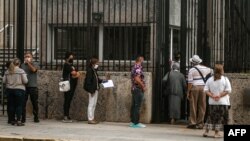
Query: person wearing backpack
point(195, 93)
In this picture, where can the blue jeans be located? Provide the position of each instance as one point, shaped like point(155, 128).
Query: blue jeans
point(15, 103)
point(137, 98)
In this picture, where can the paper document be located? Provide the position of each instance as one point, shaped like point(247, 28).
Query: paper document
point(108, 84)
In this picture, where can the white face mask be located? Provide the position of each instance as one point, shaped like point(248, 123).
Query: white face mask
point(96, 66)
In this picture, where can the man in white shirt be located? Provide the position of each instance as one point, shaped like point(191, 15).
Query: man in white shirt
point(195, 93)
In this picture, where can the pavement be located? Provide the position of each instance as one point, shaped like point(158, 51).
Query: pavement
point(55, 130)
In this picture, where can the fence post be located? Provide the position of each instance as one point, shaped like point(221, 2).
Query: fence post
point(20, 29)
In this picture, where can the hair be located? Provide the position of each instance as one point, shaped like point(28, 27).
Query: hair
point(28, 52)
point(93, 60)
point(67, 54)
point(138, 57)
point(218, 71)
point(15, 62)
point(7, 64)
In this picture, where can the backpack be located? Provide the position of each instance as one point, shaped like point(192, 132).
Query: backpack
point(206, 77)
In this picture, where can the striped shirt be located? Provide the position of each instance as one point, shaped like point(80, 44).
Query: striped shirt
point(194, 76)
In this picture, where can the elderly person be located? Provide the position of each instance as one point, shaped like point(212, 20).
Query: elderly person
point(217, 88)
point(195, 93)
point(174, 89)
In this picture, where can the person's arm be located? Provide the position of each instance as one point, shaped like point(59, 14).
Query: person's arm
point(189, 89)
point(33, 68)
point(139, 82)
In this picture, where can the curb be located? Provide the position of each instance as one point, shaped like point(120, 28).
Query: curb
point(14, 138)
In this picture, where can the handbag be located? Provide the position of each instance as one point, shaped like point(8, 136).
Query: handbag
point(64, 86)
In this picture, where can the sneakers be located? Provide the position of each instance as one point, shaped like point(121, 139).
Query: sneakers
point(67, 120)
point(138, 125)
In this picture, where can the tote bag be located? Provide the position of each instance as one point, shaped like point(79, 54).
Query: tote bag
point(64, 86)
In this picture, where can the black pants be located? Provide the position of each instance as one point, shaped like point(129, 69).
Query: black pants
point(68, 96)
point(137, 98)
point(33, 92)
point(15, 102)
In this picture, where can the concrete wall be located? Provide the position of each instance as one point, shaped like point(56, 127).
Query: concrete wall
point(239, 112)
point(113, 103)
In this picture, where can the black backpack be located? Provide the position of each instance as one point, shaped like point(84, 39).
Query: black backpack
point(206, 77)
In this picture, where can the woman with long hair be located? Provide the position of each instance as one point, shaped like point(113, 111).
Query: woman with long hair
point(15, 79)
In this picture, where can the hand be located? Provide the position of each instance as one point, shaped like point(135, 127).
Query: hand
point(104, 81)
point(216, 98)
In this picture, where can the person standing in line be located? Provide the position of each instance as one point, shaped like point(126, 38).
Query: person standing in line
point(175, 88)
point(92, 86)
point(217, 88)
point(7, 64)
point(138, 89)
point(15, 79)
point(31, 68)
point(69, 73)
point(195, 93)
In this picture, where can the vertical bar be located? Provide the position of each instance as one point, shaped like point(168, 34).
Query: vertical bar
point(46, 35)
point(36, 31)
point(83, 33)
point(88, 23)
point(26, 26)
point(120, 29)
point(114, 30)
point(4, 31)
point(55, 30)
point(20, 28)
point(41, 34)
point(108, 29)
point(31, 25)
point(184, 15)
point(78, 34)
point(51, 38)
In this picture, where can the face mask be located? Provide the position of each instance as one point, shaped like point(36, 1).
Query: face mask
point(70, 60)
point(96, 66)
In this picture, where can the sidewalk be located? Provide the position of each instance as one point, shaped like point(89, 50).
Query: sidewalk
point(105, 131)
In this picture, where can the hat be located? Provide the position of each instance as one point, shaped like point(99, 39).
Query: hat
point(176, 66)
point(195, 59)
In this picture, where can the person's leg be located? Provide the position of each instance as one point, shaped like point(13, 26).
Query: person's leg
point(193, 107)
point(91, 105)
point(19, 98)
point(8, 106)
point(26, 97)
point(34, 100)
point(71, 95)
point(95, 101)
point(11, 104)
point(66, 103)
point(201, 107)
point(137, 98)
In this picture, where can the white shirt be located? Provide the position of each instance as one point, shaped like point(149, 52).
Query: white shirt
point(216, 87)
point(194, 76)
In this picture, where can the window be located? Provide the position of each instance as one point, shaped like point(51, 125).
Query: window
point(124, 43)
point(75, 39)
point(119, 42)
